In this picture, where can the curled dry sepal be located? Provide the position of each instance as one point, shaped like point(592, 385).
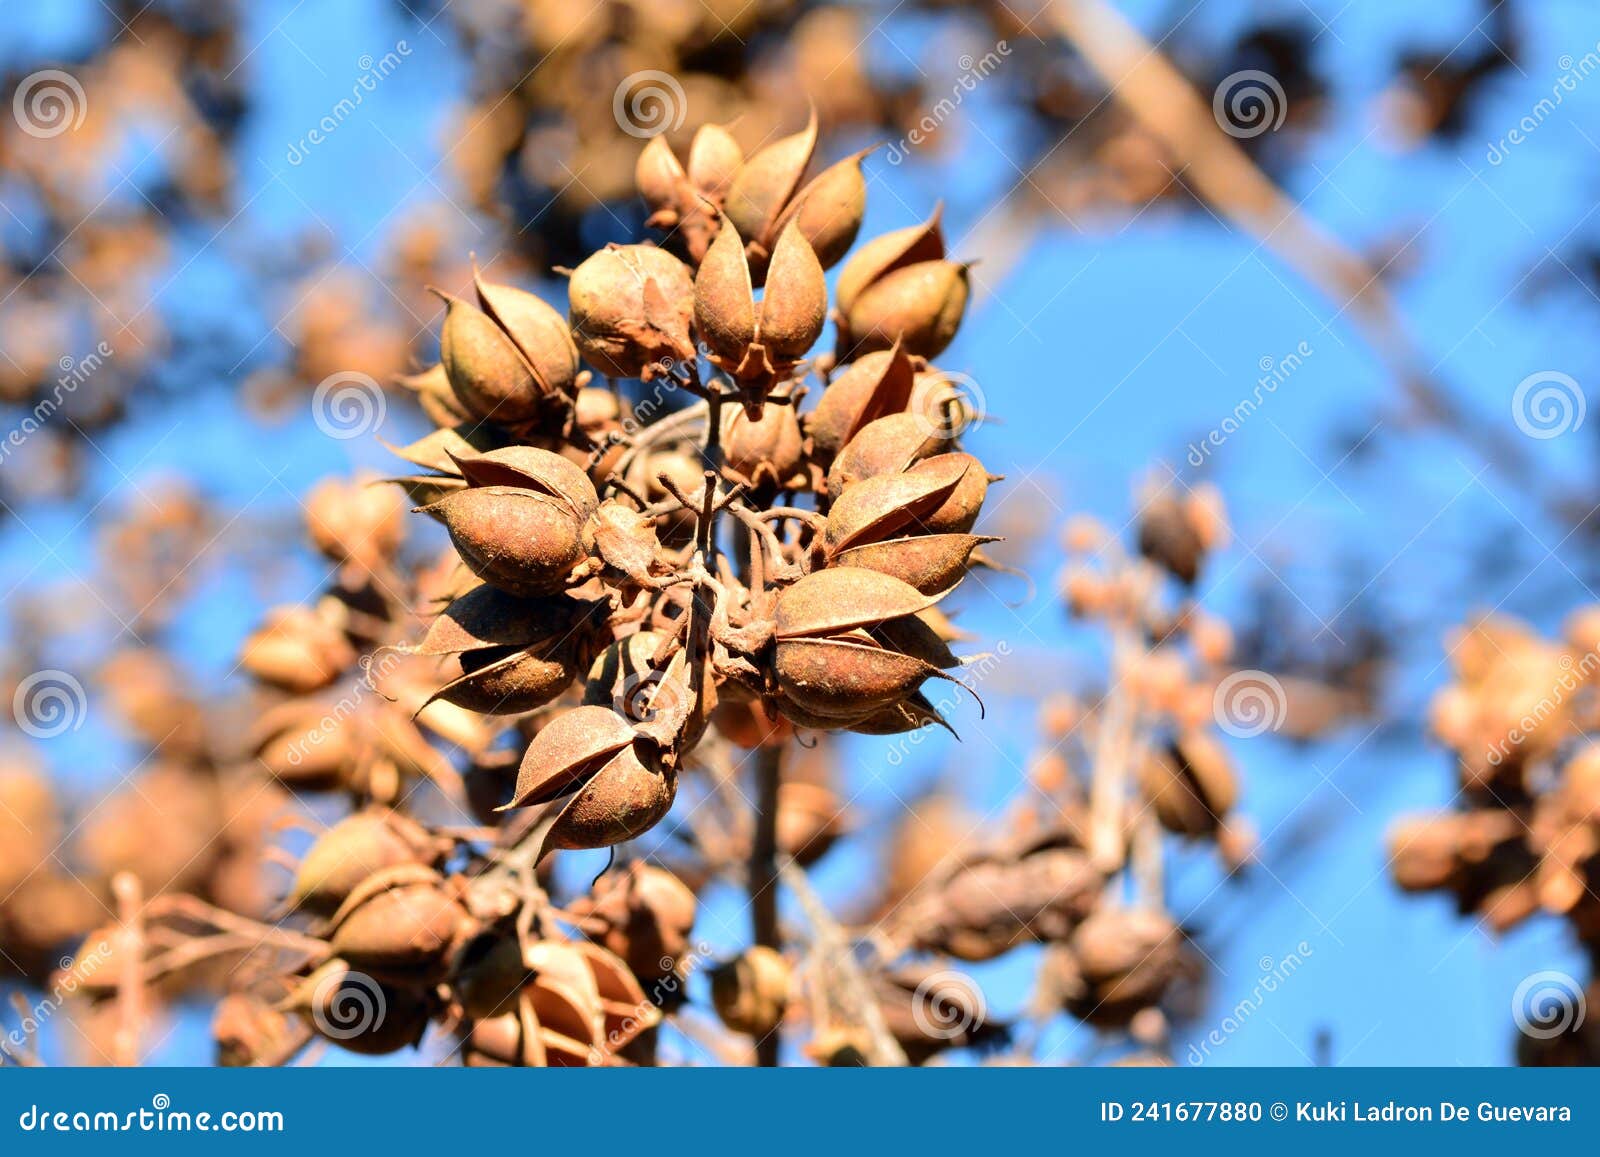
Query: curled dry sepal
point(625, 568)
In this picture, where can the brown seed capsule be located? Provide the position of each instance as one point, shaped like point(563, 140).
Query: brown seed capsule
point(489, 374)
point(521, 541)
point(249, 1031)
point(754, 341)
point(920, 306)
point(620, 789)
point(530, 468)
point(811, 818)
point(631, 308)
point(883, 255)
point(355, 520)
point(1191, 786)
point(751, 991)
point(354, 849)
point(298, 650)
point(644, 914)
point(400, 921)
point(515, 655)
point(765, 453)
point(828, 211)
point(764, 185)
point(625, 678)
point(889, 505)
point(887, 445)
point(1127, 959)
point(871, 387)
point(538, 331)
point(714, 161)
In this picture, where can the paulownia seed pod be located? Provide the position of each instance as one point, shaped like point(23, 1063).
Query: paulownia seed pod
point(751, 991)
point(631, 306)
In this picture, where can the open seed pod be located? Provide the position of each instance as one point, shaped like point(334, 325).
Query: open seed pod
point(631, 307)
point(893, 523)
point(620, 788)
point(685, 199)
point(766, 453)
point(353, 850)
point(508, 357)
point(760, 341)
point(1192, 785)
point(514, 654)
point(829, 663)
point(624, 677)
point(888, 445)
point(872, 387)
point(525, 540)
point(919, 306)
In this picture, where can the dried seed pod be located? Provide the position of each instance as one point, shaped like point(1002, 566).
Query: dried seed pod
point(625, 541)
point(887, 445)
point(883, 255)
point(889, 505)
point(1192, 785)
point(490, 376)
point(1126, 959)
point(769, 452)
point(352, 851)
point(932, 563)
point(763, 186)
point(872, 387)
point(522, 541)
point(355, 521)
point(400, 921)
point(297, 649)
point(515, 655)
point(538, 331)
point(828, 211)
point(714, 160)
point(529, 468)
point(919, 306)
point(645, 916)
point(811, 818)
point(620, 788)
point(631, 307)
point(751, 991)
point(929, 1008)
point(625, 678)
point(834, 602)
point(760, 341)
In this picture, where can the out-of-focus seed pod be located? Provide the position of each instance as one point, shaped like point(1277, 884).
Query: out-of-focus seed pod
point(871, 387)
point(811, 818)
point(714, 161)
point(751, 991)
point(353, 850)
point(1168, 539)
point(919, 306)
point(929, 1008)
point(631, 307)
point(249, 1031)
point(29, 825)
point(355, 521)
point(1126, 960)
point(1425, 852)
point(399, 921)
point(1192, 785)
point(645, 916)
point(297, 649)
